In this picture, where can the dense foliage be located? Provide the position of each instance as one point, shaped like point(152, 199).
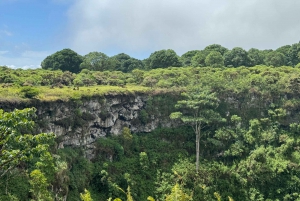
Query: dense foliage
point(21, 151)
point(242, 109)
point(65, 60)
point(213, 55)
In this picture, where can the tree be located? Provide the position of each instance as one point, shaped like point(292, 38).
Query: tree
point(236, 57)
point(125, 63)
point(275, 59)
point(199, 59)
point(293, 54)
point(96, 61)
point(131, 64)
point(216, 47)
point(256, 57)
point(163, 59)
point(198, 110)
point(15, 146)
point(186, 58)
point(119, 59)
point(285, 51)
point(214, 59)
point(65, 60)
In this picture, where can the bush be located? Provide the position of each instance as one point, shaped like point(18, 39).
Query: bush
point(144, 116)
point(29, 92)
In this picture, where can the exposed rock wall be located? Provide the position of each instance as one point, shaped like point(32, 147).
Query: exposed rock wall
point(82, 122)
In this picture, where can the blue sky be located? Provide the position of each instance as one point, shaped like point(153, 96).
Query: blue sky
point(30, 30)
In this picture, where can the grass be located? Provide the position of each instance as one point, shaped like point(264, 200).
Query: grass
point(10, 94)
point(47, 94)
point(66, 93)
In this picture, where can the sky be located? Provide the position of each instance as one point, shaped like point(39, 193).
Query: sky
point(31, 30)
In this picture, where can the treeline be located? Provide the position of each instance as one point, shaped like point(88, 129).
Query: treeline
point(213, 55)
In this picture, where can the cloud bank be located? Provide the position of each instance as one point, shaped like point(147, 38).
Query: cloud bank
point(31, 59)
point(138, 27)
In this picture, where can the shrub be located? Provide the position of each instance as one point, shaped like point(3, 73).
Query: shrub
point(29, 92)
point(144, 116)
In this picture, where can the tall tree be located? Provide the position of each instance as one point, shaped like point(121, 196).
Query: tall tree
point(293, 54)
point(275, 59)
point(123, 62)
point(119, 59)
point(65, 60)
point(199, 58)
point(96, 61)
point(214, 59)
point(163, 59)
point(198, 109)
point(216, 47)
point(131, 64)
point(256, 57)
point(236, 57)
point(186, 58)
point(284, 49)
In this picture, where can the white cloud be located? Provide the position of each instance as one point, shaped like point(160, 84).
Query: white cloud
point(132, 26)
point(28, 59)
point(261, 24)
point(24, 67)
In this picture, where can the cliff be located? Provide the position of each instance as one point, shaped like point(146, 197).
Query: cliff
point(82, 122)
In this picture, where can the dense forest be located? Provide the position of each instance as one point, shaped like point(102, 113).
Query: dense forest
point(238, 133)
point(213, 56)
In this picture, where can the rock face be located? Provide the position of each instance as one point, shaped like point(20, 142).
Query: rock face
point(82, 122)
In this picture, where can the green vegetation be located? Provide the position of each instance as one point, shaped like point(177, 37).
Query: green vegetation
point(198, 110)
point(238, 118)
point(213, 55)
point(248, 155)
point(65, 60)
point(19, 152)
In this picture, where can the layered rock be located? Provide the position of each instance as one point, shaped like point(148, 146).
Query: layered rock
point(82, 122)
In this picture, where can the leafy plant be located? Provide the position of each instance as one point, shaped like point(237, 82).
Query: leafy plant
point(29, 92)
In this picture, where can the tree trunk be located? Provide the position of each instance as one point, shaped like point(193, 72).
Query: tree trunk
point(197, 150)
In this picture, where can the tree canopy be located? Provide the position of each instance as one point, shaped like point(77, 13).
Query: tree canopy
point(214, 59)
point(16, 145)
point(68, 60)
point(186, 58)
point(236, 57)
point(163, 59)
point(217, 48)
point(96, 61)
point(65, 60)
point(126, 64)
point(275, 59)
